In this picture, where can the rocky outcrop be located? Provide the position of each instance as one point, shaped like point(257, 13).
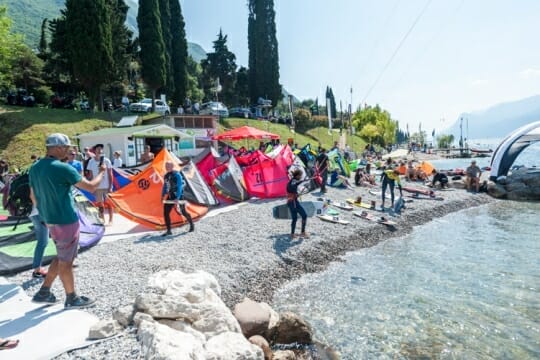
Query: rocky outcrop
point(522, 184)
point(182, 316)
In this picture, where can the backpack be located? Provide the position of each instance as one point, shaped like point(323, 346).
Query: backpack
point(18, 201)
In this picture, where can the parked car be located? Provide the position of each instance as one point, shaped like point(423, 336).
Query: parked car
point(241, 112)
point(145, 105)
point(21, 97)
point(214, 108)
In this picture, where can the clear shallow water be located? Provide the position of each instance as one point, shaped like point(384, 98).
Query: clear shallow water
point(466, 286)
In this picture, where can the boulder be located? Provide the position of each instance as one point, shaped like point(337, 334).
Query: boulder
point(104, 329)
point(271, 331)
point(183, 327)
point(163, 306)
point(232, 345)
point(164, 343)
point(496, 190)
point(140, 317)
point(191, 286)
point(293, 328)
point(252, 317)
point(261, 342)
point(124, 314)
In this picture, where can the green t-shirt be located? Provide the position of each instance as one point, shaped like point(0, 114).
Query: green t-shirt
point(51, 181)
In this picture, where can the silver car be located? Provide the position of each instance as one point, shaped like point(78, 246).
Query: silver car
point(214, 108)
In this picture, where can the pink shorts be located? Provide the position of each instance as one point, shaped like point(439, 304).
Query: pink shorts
point(66, 239)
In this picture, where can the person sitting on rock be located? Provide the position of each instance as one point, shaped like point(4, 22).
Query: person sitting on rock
point(473, 173)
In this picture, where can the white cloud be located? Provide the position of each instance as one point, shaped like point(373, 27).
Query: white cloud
point(529, 73)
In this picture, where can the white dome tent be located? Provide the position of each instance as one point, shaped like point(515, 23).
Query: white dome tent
point(509, 149)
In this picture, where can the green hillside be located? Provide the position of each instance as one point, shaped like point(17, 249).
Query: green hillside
point(23, 130)
point(27, 16)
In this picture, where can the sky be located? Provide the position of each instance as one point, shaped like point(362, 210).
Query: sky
point(424, 61)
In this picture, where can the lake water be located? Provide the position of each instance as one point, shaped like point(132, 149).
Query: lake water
point(465, 286)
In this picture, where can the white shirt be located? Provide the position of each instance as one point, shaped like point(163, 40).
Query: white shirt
point(117, 162)
point(93, 166)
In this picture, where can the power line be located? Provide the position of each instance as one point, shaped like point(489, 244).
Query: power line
point(396, 51)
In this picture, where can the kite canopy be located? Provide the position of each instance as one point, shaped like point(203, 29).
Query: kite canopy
point(245, 132)
point(509, 149)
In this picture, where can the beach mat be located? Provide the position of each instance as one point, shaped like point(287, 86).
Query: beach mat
point(43, 331)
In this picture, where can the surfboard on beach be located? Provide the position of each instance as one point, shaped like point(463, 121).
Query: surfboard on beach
point(414, 190)
point(312, 208)
point(333, 219)
point(342, 205)
point(362, 204)
point(425, 197)
point(378, 219)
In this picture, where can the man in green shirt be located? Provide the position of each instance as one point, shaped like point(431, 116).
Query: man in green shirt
point(51, 180)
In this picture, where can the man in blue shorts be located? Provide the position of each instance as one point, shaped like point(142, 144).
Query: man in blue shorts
point(51, 180)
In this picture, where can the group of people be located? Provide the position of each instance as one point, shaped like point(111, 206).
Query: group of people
point(53, 214)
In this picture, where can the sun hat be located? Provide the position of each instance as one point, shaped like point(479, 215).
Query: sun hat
point(57, 139)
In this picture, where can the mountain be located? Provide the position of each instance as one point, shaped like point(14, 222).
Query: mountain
point(499, 120)
point(27, 16)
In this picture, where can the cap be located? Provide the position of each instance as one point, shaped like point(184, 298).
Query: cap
point(57, 139)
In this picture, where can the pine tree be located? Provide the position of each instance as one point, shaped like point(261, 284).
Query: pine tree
point(89, 43)
point(220, 64)
point(330, 95)
point(263, 52)
point(152, 46)
point(179, 53)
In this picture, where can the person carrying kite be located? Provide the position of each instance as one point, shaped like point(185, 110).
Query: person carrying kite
point(294, 204)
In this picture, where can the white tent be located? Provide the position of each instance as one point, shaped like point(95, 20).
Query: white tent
point(509, 149)
point(132, 139)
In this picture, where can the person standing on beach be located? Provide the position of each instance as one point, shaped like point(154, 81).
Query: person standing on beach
point(173, 191)
point(322, 166)
point(389, 179)
point(294, 204)
point(51, 181)
point(105, 186)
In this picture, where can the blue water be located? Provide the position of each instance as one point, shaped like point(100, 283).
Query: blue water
point(465, 286)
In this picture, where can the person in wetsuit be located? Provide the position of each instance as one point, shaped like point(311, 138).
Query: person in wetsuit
point(294, 204)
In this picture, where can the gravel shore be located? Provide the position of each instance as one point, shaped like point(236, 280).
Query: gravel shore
point(248, 251)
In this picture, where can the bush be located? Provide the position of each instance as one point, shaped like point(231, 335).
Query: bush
point(302, 119)
point(43, 94)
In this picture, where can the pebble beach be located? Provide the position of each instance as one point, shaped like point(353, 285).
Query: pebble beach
point(245, 248)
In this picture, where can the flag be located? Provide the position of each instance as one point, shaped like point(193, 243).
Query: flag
point(433, 133)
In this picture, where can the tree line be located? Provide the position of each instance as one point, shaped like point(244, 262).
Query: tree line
point(88, 49)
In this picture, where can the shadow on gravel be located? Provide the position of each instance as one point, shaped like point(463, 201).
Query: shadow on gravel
point(158, 238)
point(282, 243)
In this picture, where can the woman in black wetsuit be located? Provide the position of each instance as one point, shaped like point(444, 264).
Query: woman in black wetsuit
point(294, 204)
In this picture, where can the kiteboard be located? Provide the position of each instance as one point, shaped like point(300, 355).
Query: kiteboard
point(414, 190)
point(342, 205)
point(378, 219)
point(333, 219)
point(312, 208)
point(359, 204)
point(428, 197)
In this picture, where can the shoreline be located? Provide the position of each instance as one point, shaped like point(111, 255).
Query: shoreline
point(249, 253)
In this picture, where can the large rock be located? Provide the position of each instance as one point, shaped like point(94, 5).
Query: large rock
point(271, 332)
point(284, 355)
point(496, 190)
point(104, 329)
point(164, 343)
point(261, 342)
point(230, 345)
point(167, 307)
point(253, 317)
point(191, 286)
point(522, 184)
point(124, 314)
point(293, 328)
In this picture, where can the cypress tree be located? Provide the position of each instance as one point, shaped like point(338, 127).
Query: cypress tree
point(179, 53)
point(152, 53)
point(263, 52)
point(89, 43)
point(121, 40)
point(165, 17)
point(42, 48)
